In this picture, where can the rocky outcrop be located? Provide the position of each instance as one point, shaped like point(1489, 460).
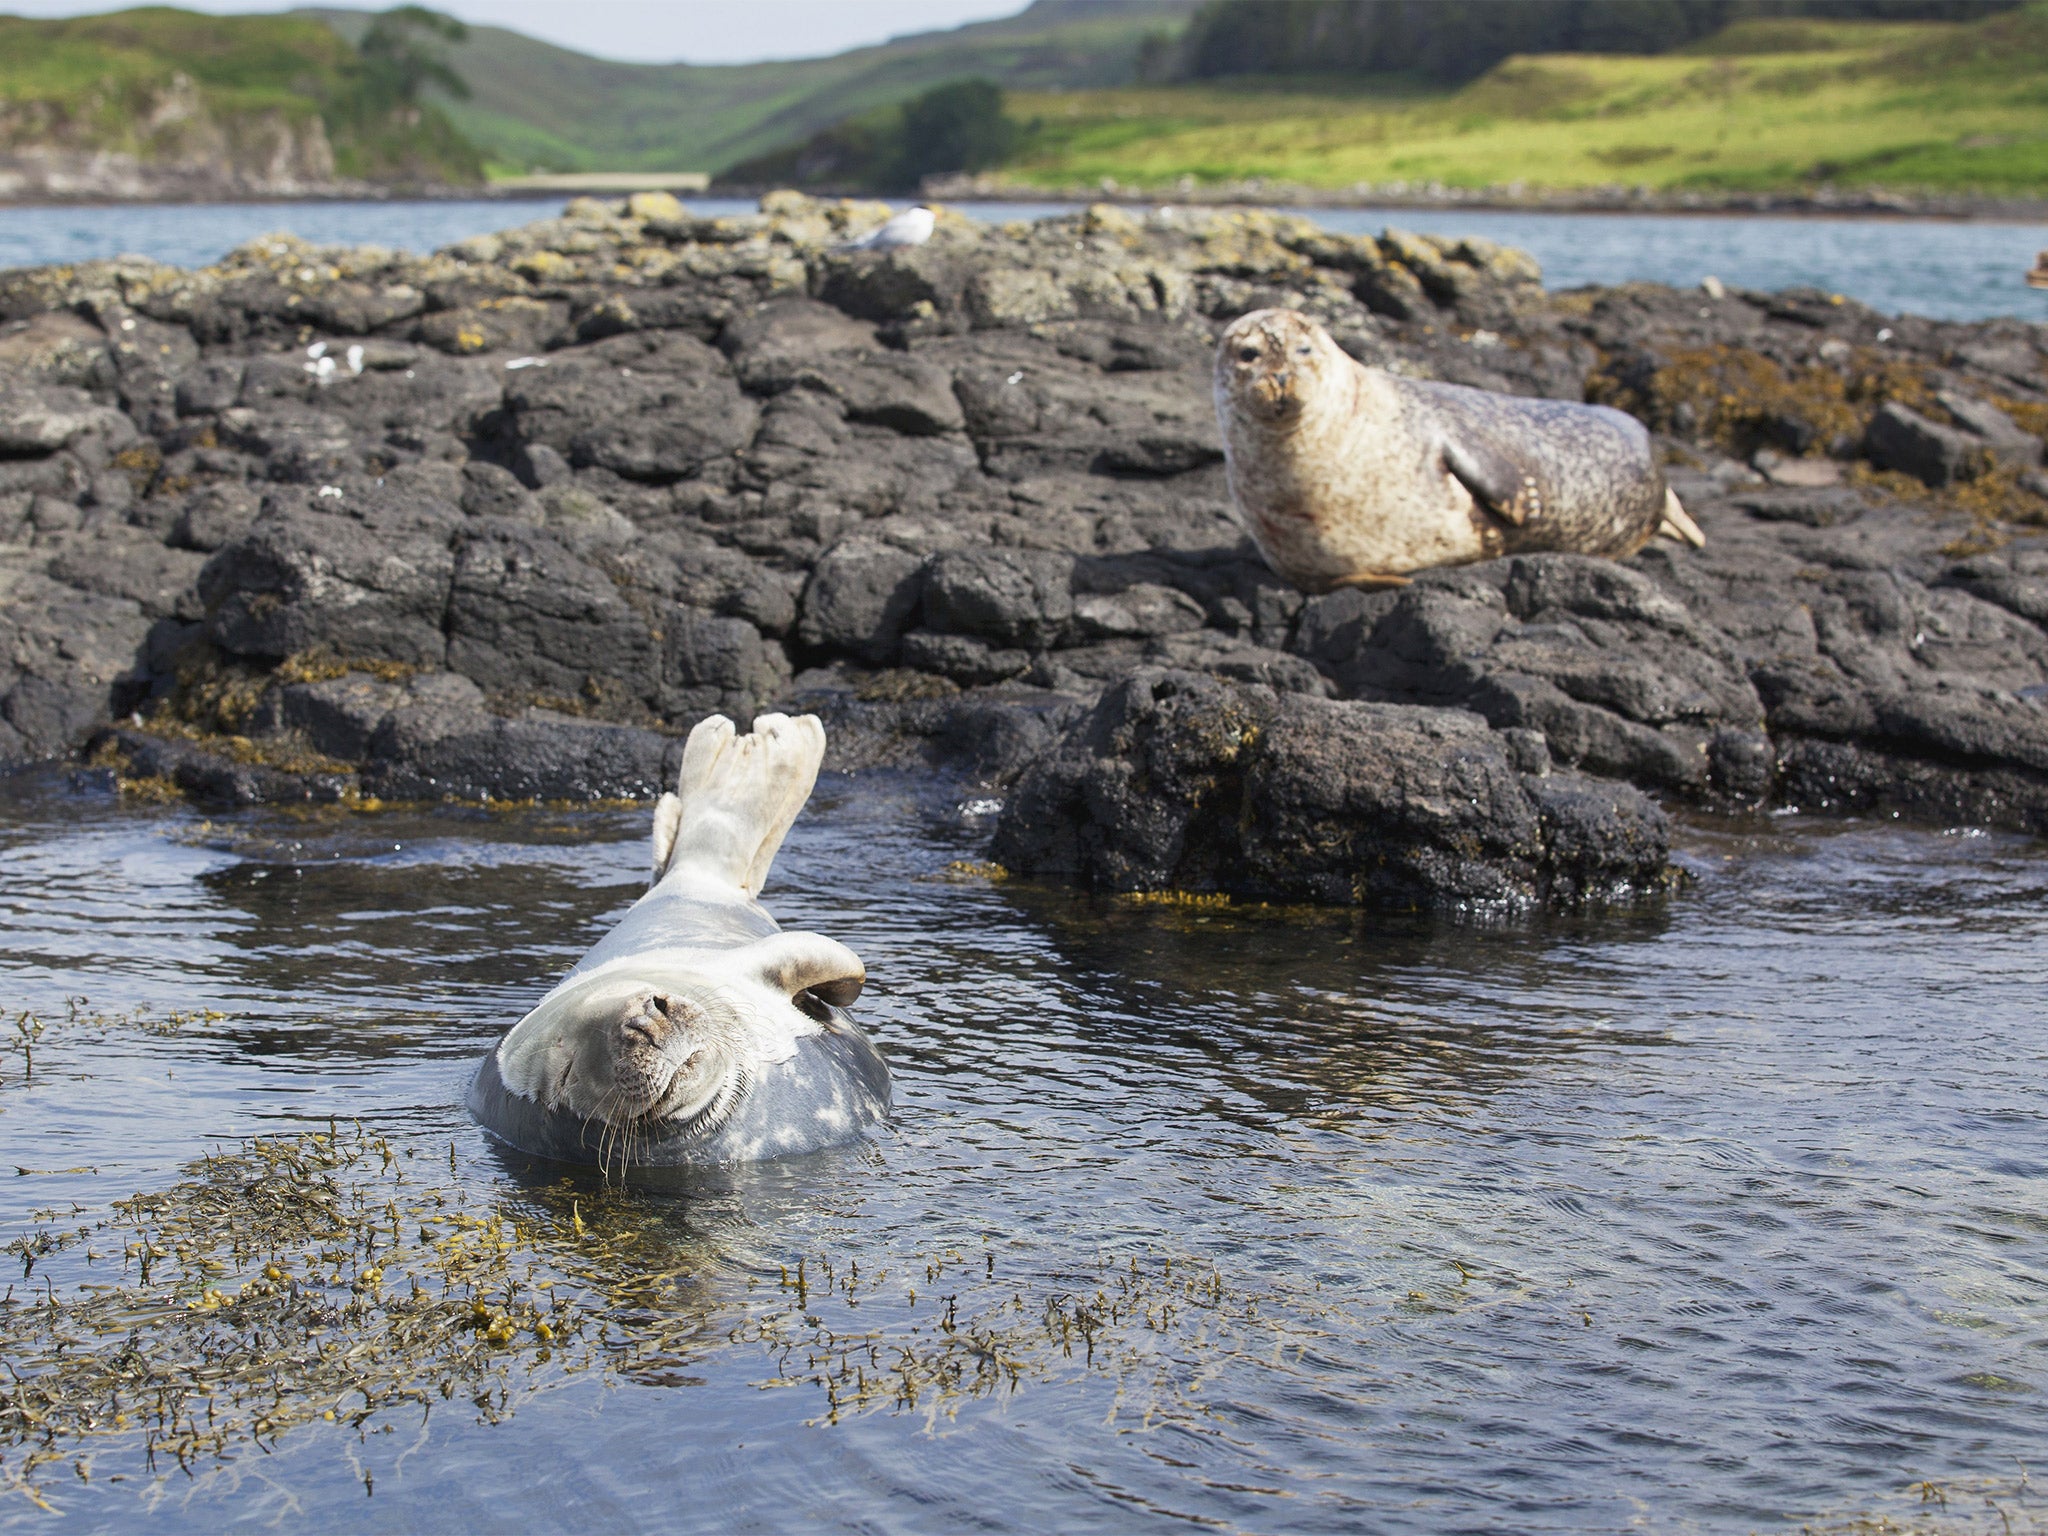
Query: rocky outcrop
point(1176, 781)
point(504, 521)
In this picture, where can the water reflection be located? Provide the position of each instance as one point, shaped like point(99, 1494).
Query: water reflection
point(1293, 1015)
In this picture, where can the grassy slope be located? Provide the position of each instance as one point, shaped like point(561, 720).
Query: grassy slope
point(1764, 106)
point(536, 105)
point(88, 66)
point(102, 82)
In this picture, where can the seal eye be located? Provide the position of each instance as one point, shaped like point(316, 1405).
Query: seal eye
point(1248, 354)
point(1303, 350)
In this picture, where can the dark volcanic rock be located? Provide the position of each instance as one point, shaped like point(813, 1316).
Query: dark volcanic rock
point(1018, 597)
point(653, 406)
point(540, 757)
point(508, 519)
point(860, 598)
point(69, 659)
point(1900, 438)
point(1180, 782)
point(363, 570)
point(217, 779)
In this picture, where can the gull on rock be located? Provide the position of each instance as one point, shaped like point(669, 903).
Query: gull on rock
point(913, 226)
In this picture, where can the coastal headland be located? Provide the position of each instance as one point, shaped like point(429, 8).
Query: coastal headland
point(345, 527)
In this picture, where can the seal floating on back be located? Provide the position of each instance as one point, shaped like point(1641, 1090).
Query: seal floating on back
point(697, 1031)
point(1348, 475)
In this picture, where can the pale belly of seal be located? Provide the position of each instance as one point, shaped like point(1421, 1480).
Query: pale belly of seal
point(1387, 508)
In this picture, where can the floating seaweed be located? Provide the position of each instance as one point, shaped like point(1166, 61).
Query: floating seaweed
point(294, 1278)
point(333, 1276)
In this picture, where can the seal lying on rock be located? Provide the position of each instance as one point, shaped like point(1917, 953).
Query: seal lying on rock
point(696, 1031)
point(1348, 475)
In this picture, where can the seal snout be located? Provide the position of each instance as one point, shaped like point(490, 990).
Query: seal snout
point(1269, 359)
point(652, 1045)
point(1274, 390)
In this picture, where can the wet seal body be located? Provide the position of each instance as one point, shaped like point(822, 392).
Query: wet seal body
point(1347, 475)
point(697, 1032)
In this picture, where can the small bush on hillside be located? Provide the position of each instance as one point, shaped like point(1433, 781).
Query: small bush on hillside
point(959, 126)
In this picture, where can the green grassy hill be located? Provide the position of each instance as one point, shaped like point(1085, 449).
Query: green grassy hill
point(163, 84)
point(1763, 106)
point(538, 107)
point(1766, 105)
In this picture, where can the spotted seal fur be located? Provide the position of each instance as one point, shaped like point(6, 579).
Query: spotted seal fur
point(697, 1031)
point(1348, 475)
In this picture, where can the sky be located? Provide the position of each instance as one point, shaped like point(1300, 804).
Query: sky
point(657, 31)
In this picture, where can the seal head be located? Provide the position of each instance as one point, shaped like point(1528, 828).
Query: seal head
point(1272, 363)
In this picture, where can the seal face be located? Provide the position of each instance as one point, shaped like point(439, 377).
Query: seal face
point(697, 1031)
point(1350, 475)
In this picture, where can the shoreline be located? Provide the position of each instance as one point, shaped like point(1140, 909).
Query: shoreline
point(1822, 202)
point(500, 522)
point(1942, 208)
point(1877, 206)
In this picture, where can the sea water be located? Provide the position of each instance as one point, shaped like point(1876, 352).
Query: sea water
point(1725, 1213)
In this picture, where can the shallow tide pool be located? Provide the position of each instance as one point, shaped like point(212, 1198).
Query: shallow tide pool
point(1726, 1215)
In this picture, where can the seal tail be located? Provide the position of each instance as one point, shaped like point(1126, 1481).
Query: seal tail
point(735, 798)
point(1678, 525)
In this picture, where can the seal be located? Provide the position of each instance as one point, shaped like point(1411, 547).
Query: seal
point(697, 1032)
point(1347, 475)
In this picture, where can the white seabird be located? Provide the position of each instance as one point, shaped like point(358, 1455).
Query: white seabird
point(913, 226)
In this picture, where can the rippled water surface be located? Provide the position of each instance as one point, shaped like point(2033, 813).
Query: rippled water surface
point(1718, 1217)
point(1947, 270)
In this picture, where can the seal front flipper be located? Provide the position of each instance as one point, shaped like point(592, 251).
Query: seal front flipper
point(795, 963)
point(1496, 482)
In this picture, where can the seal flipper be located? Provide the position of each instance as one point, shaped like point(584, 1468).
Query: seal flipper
point(668, 819)
point(735, 798)
point(1496, 482)
point(795, 962)
point(1678, 525)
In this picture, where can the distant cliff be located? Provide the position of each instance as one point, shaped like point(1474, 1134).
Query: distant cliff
point(159, 103)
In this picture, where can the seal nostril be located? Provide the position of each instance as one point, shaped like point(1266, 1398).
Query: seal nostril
point(640, 1029)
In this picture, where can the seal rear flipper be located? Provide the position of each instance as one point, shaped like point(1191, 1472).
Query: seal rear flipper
point(736, 797)
point(1678, 525)
point(1496, 481)
point(668, 819)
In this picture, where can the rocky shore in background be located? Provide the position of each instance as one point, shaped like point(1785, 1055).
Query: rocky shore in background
point(342, 526)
